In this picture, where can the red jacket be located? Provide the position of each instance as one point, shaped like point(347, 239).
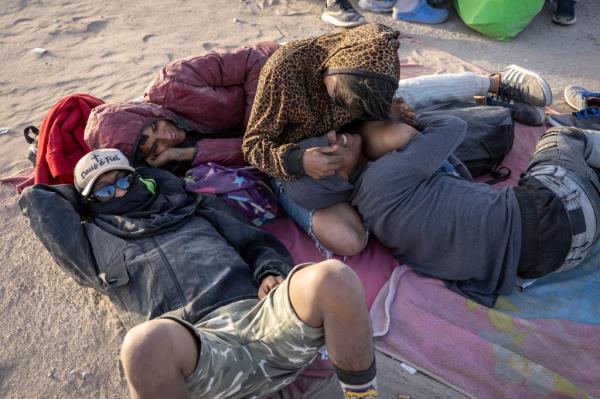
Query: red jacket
point(60, 142)
point(212, 94)
point(214, 91)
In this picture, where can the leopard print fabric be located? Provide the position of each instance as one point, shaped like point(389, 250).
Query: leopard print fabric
point(292, 102)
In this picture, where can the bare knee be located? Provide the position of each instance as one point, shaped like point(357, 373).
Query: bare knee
point(334, 278)
point(158, 348)
point(141, 344)
point(332, 281)
point(340, 229)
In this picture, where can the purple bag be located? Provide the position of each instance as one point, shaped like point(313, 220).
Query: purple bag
point(243, 188)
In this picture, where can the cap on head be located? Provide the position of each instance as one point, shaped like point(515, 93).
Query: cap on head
point(93, 164)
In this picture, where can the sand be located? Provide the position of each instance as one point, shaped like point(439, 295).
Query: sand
point(60, 340)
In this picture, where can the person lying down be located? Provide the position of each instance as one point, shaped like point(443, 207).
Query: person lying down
point(420, 201)
point(214, 305)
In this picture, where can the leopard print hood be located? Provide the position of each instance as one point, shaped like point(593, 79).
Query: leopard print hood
point(352, 54)
point(292, 102)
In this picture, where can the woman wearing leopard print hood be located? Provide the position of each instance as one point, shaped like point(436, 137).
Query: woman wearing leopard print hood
point(308, 88)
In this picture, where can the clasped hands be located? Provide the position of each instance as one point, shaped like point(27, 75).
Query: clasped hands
point(322, 162)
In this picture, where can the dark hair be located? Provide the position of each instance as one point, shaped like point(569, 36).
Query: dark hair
point(372, 98)
point(365, 97)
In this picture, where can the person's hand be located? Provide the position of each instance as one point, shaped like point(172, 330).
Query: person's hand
point(171, 154)
point(321, 162)
point(400, 111)
point(267, 284)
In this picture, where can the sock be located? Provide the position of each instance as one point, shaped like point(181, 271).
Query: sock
point(358, 384)
point(494, 88)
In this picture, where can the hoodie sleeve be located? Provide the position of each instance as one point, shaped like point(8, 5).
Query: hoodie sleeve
point(264, 253)
point(54, 218)
point(266, 144)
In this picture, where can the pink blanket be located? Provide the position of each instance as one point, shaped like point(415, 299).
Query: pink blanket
point(531, 345)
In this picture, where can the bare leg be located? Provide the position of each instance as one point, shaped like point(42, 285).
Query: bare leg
point(157, 356)
point(340, 229)
point(329, 294)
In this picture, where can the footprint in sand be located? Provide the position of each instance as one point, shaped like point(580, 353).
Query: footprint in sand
point(20, 21)
point(148, 37)
point(95, 26)
point(208, 45)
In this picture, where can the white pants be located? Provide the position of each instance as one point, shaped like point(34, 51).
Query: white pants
point(426, 90)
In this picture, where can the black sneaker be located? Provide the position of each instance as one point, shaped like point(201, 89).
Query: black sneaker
point(564, 12)
point(525, 113)
point(522, 85)
point(342, 13)
point(588, 119)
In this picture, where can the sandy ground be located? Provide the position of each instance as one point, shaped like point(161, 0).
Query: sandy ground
point(59, 340)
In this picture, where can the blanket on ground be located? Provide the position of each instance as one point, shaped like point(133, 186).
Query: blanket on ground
point(542, 342)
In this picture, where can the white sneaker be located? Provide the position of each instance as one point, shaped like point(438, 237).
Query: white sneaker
point(342, 13)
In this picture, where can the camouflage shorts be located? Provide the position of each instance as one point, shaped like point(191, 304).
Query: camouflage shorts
point(250, 348)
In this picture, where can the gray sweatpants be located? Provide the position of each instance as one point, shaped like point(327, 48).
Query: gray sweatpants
point(425, 90)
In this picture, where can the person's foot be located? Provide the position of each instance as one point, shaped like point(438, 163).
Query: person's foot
point(342, 13)
point(525, 113)
point(377, 5)
point(421, 12)
point(564, 12)
point(579, 98)
point(587, 118)
point(522, 85)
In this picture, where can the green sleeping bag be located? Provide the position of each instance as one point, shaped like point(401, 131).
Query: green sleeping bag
point(498, 19)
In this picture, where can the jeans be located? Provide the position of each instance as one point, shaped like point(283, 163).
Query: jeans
point(567, 160)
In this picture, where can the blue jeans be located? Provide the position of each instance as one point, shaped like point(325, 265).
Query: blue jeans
point(302, 216)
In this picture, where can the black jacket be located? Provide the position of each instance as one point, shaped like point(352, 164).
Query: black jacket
point(173, 253)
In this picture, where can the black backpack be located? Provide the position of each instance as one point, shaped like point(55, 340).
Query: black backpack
point(490, 136)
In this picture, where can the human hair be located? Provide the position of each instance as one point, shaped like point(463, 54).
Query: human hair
point(369, 97)
point(365, 97)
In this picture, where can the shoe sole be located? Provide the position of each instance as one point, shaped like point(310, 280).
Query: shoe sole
point(569, 103)
point(562, 22)
point(325, 17)
point(540, 80)
point(541, 117)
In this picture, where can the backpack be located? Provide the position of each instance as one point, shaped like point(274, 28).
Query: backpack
point(490, 136)
point(243, 188)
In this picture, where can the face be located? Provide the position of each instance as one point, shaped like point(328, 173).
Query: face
point(330, 81)
point(350, 147)
point(161, 135)
point(112, 184)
